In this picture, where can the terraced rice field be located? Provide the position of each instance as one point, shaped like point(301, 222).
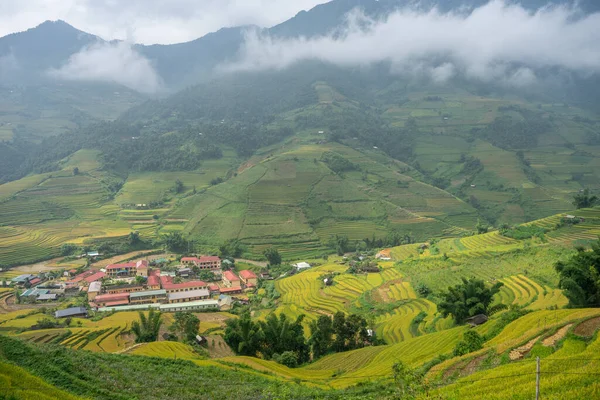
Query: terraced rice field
point(166, 350)
point(523, 291)
point(492, 239)
point(305, 290)
point(397, 326)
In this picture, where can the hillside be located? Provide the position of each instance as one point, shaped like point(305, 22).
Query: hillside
point(425, 164)
point(536, 324)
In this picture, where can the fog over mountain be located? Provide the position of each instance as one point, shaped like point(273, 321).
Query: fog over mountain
point(513, 44)
point(497, 41)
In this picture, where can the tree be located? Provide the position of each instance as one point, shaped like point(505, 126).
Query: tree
point(186, 325)
point(469, 298)
point(287, 358)
point(340, 243)
point(231, 248)
point(140, 280)
point(321, 336)
point(147, 328)
point(243, 335)
point(76, 171)
point(133, 238)
point(67, 249)
point(273, 256)
point(584, 199)
point(580, 277)
point(350, 331)
point(408, 381)
point(281, 335)
point(207, 276)
point(481, 227)
point(178, 187)
point(175, 242)
point(472, 341)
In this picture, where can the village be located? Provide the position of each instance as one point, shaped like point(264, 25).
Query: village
point(141, 284)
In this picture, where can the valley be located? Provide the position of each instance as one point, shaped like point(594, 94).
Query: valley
point(369, 199)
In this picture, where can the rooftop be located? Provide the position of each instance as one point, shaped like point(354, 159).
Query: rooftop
point(230, 276)
point(231, 289)
point(188, 295)
point(153, 280)
point(111, 297)
point(183, 285)
point(117, 303)
point(95, 277)
point(49, 296)
point(95, 287)
point(131, 307)
point(23, 278)
point(147, 293)
point(120, 266)
point(191, 304)
point(247, 274)
point(70, 312)
point(117, 287)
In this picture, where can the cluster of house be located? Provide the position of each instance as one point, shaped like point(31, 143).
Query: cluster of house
point(160, 289)
point(37, 288)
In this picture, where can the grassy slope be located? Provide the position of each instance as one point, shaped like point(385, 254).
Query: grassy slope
point(289, 198)
point(17, 383)
point(41, 212)
point(393, 287)
point(283, 197)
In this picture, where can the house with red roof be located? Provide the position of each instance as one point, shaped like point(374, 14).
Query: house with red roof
point(171, 287)
point(108, 300)
point(94, 277)
point(35, 281)
point(231, 290)
point(153, 282)
point(230, 279)
point(121, 270)
point(134, 268)
point(249, 278)
point(142, 267)
point(204, 262)
point(79, 279)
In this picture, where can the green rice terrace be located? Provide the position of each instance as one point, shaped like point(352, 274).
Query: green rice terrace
point(532, 322)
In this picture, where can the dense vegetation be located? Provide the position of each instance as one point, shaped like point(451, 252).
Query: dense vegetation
point(467, 299)
point(282, 339)
point(580, 277)
point(107, 376)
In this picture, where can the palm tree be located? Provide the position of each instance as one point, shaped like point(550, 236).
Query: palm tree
point(147, 328)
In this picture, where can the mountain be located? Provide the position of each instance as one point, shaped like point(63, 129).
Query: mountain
point(289, 157)
point(27, 56)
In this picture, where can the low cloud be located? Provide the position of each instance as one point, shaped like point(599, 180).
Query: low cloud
point(116, 62)
point(8, 65)
point(500, 42)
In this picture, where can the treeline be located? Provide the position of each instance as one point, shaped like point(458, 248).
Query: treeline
point(508, 133)
point(281, 339)
point(128, 147)
point(244, 97)
point(342, 244)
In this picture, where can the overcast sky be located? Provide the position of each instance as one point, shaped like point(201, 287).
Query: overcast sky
point(149, 21)
point(500, 41)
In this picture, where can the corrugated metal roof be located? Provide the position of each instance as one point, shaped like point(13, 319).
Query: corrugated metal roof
point(70, 312)
point(133, 307)
point(189, 294)
point(190, 305)
point(160, 292)
point(49, 296)
point(95, 287)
